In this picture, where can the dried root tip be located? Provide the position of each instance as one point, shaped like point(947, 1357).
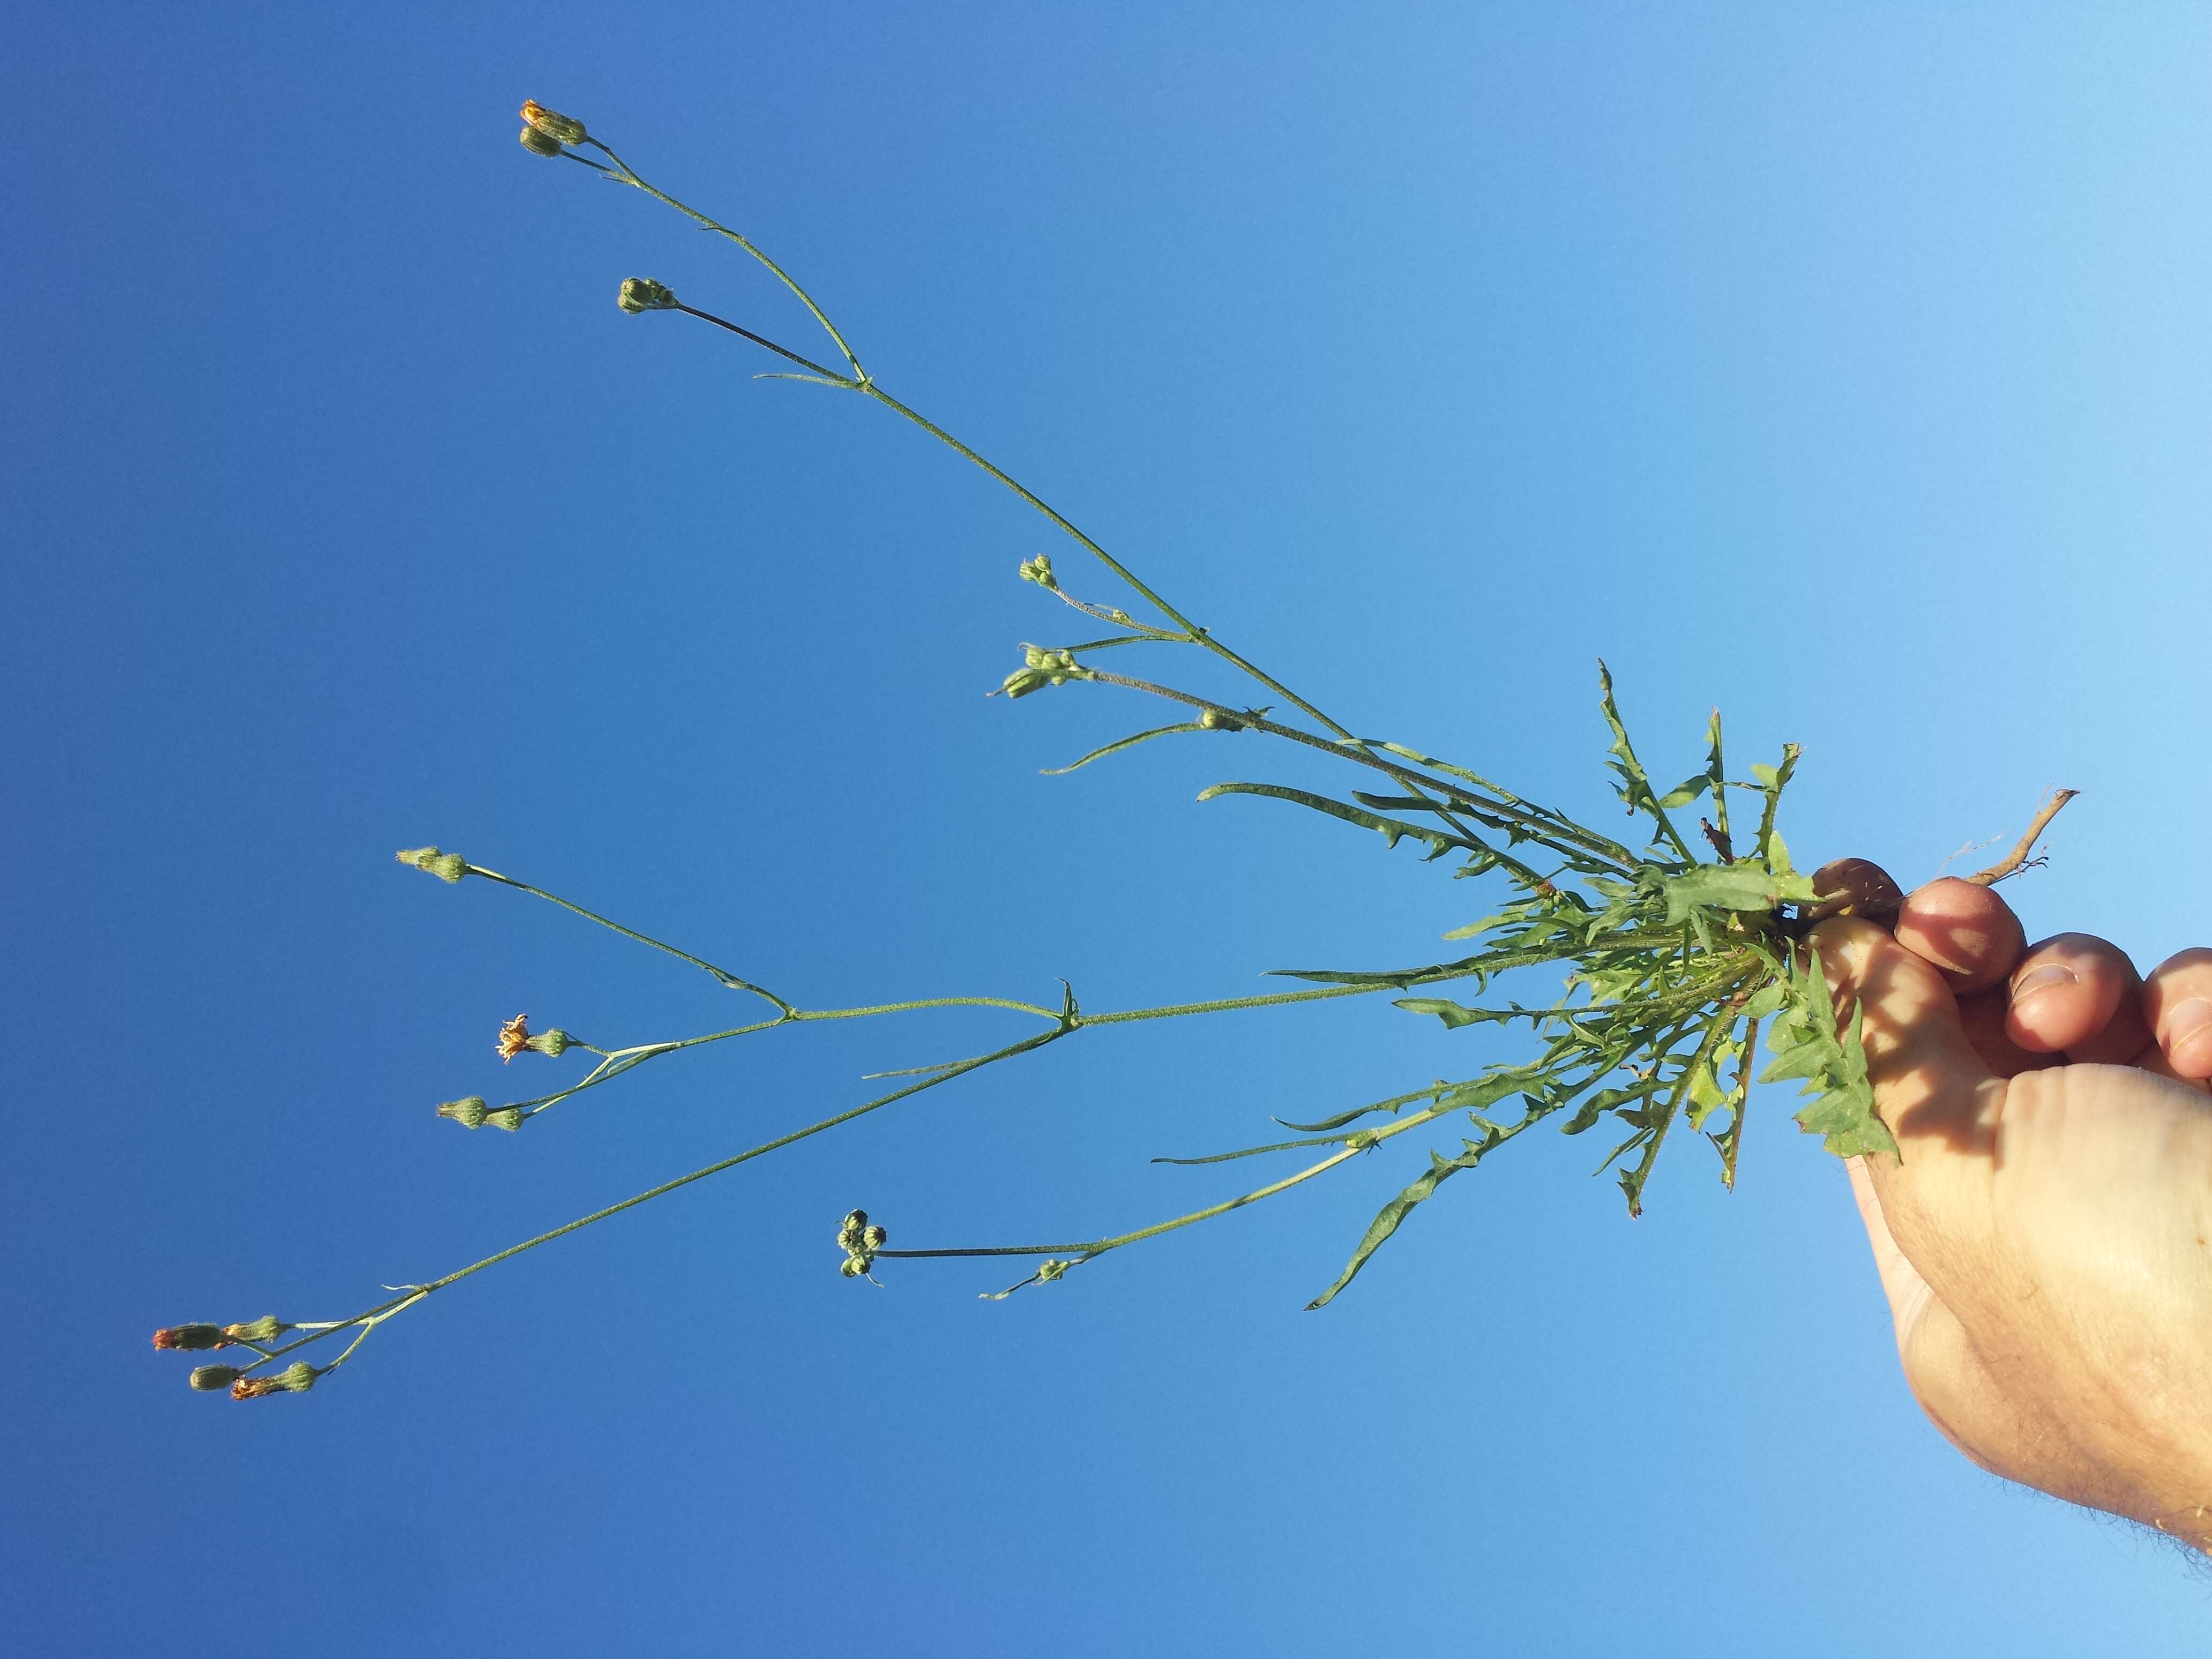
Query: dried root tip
point(297, 1378)
point(267, 1328)
point(1854, 887)
point(643, 293)
point(190, 1337)
point(507, 1117)
point(468, 1112)
point(1039, 570)
point(554, 1042)
point(2017, 859)
point(213, 1379)
point(446, 866)
point(561, 129)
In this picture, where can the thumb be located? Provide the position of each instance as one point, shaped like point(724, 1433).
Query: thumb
point(1930, 1087)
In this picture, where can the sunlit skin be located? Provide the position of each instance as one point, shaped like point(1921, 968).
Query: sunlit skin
point(2043, 1238)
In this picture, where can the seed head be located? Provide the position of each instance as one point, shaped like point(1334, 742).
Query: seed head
point(190, 1337)
point(643, 293)
point(468, 1112)
point(561, 129)
point(213, 1379)
point(446, 866)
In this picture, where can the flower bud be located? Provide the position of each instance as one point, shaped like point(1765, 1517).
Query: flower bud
point(469, 1112)
point(213, 1379)
point(855, 1266)
point(1039, 570)
point(190, 1337)
point(537, 143)
point(555, 1041)
point(1219, 719)
point(643, 293)
point(856, 1218)
point(297, 1378)
point(874, 1238)
point(1052, 1270)
point(561, 129)
point(446, 866)
point(267, 1328)
point(507, 1117)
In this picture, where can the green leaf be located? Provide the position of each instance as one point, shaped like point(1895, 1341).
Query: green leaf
point(1743, 886)
point(1125, 743)
point(1440, 1169)
point(1453, 1015)
point(1806, 1044)
point(1686, 790)
point(1393, 830)
point(1473, 929)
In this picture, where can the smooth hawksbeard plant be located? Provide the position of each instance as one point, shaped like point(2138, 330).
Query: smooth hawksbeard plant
point(1677, 961)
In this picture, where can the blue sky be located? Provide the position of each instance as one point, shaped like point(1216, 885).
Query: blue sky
point(1852, 372)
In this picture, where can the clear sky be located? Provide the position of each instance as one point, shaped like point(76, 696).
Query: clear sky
point(1850, 367)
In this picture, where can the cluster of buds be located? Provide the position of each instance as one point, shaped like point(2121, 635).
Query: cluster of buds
point(515, 1038)
point(1052, 1270)
point(643, 293)
point(296, 1378)
point(1042, 668)
point(446, 866)
point(470, 1113)
point(859, 1242)
point(1039, 570)
point(192, 1337)
point(547, 132)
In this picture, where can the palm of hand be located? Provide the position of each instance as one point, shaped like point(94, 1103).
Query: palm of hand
point(2042, 1240)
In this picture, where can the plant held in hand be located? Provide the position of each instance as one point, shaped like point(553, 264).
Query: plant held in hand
point(1674, 962)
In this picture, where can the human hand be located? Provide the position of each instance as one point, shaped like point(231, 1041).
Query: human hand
point(2042, 1234)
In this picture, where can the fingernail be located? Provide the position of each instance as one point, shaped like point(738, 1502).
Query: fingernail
point(2189, 1035)
point(2039, 980)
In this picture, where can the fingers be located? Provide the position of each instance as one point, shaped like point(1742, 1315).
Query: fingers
point(1966, 931)
point(1927, 1077)
point(2080, 995)
point(2177, 1005)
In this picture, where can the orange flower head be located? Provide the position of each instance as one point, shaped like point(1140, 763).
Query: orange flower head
point(514, 1037)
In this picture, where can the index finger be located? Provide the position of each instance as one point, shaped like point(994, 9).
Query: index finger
point(1964, 930)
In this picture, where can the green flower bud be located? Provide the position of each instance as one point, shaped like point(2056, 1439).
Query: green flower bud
point(297, 1378)
point(1039, 570)
point(643, 293)
point(561, 129)
point(468, 1112)
point(1217, 719)
point(538, 143)
point(856, 1218)
point(213, 1379)
point(446, 866)
point(555, 1041)
point(856, 1267)
point(507, 1117)
point(874, 1239)
point(1052, 1270)
point(267, 1328)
